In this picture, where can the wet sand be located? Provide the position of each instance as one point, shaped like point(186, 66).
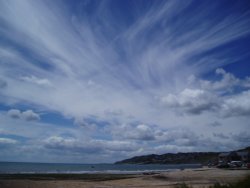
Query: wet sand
point(203, 177)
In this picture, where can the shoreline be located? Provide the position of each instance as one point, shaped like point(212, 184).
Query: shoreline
point(202, 177)
point(30, 168)
point(64, 176)
point(103, 172)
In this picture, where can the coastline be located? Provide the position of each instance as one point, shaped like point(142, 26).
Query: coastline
point(58, 168)
point(201, 177)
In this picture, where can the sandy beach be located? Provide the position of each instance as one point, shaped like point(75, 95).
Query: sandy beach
point(203, 177)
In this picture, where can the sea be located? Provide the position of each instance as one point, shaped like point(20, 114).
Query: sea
point(60, 168)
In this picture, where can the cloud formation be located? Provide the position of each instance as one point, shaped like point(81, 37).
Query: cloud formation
point(193, 101)
point(27, 115)
point(238, 105)
point(35, 80)
point(134, 132)
point(207, 96)
point(226, 84)
point(120, 61)
point(7, 141)
point(88, 146)
point(130, 82)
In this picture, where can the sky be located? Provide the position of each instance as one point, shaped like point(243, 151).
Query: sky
point(100, 81)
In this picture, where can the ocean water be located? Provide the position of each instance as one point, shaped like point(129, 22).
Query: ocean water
point(19, 167)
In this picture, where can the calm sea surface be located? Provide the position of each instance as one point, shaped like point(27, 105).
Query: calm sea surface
point(18, 167)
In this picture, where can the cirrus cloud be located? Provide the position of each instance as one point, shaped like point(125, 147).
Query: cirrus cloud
point(146, 80)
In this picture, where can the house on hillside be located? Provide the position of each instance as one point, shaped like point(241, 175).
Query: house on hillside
point(244, 155)
point(227, 157)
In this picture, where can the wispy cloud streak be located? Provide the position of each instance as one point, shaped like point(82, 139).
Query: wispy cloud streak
point(145, 66)
point(152, 53)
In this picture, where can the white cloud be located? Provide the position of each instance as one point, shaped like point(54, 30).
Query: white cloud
point(27, 115)
point(178, 137)
point(237, 105)
point(14, 113)
point(79, 66)
point(134, 132)
point(225, 84)
point(219, 96)
point(197, 101)
point(119, 146)
point(90, 146)
point(71, 144)
point(127, 74)
point(35, 80)
point(79, 144)
point(7, 141)
point(193, 101)
point(246, 82)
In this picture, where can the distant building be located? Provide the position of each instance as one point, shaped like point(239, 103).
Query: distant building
point(243, 156)
point(228, 157)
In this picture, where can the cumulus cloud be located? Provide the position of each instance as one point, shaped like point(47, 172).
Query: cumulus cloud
point(91, 121)
point(246, 82)
point(71, 144)
point(237, 105)
point(227, 83)
point(172, 141)
point(177, 136)
point(27, 115)
point(221, 96)
point(198, 101)
point(14, 113)
point(193, 101)
point(134, 132)
point(117, 145)
point(189, 144)
point(90, 146)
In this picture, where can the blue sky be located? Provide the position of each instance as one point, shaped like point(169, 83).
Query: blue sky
point(100, 81)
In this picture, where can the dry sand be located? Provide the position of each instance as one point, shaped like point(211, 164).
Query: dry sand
point(203, 177)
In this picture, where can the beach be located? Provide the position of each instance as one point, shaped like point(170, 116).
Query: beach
point(202, 177)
